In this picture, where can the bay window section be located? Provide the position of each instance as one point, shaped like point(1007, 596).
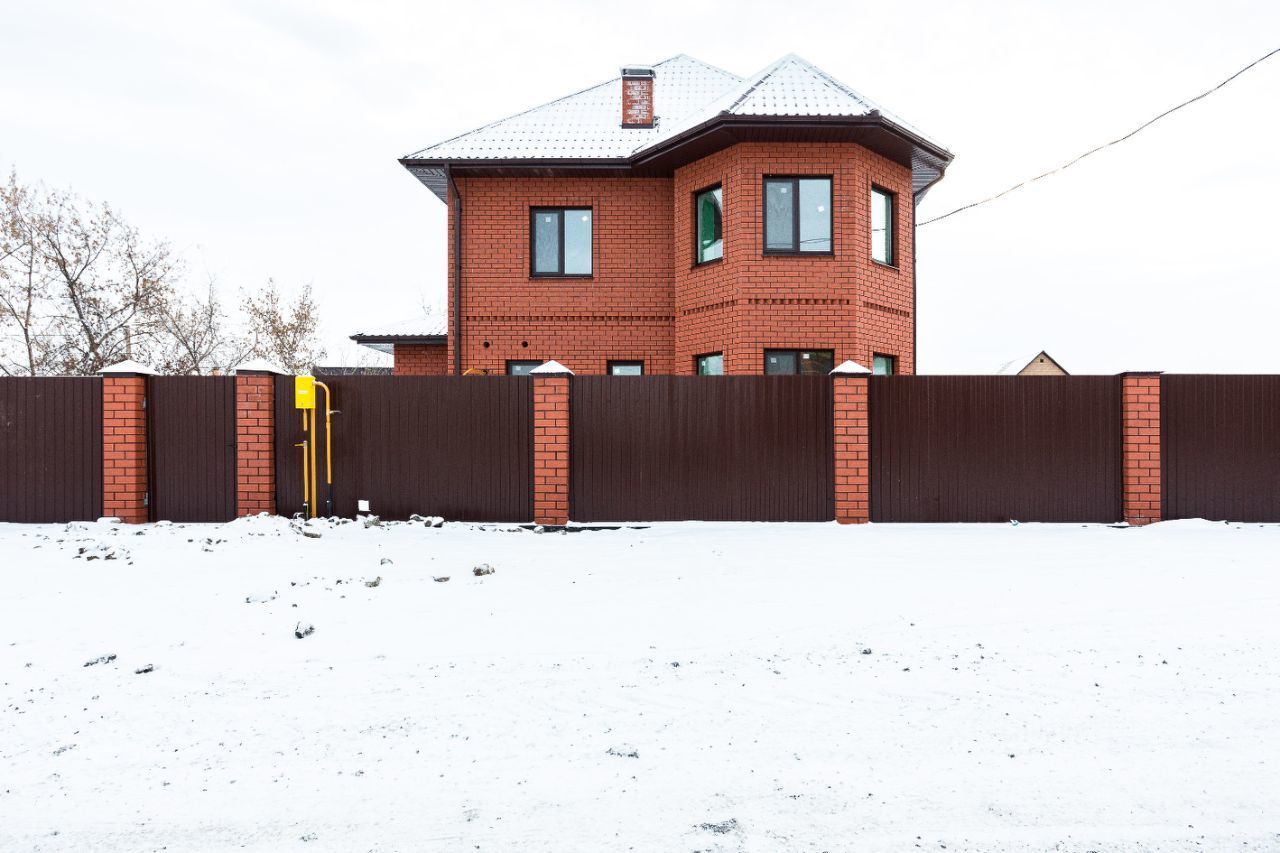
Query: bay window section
point(560, 240)
point(797, 215)
point(710, 225)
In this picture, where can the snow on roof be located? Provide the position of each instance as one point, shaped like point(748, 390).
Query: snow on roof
point(587, 124)
point(687, 93)
point(425, 326)
point(261, 365)
point(130, 366)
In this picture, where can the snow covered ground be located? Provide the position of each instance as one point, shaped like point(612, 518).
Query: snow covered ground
point(686, 687)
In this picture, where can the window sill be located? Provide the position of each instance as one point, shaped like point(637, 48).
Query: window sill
point(775, 253)
point(712, 262)
point(893, 267)
point(551, 275)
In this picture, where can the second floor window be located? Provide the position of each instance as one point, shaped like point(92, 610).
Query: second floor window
point(560, 240)
point(710, 225)
point(797, 215)
point(882, 226)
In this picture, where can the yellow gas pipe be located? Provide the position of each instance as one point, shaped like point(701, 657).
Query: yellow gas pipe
point(328, 447)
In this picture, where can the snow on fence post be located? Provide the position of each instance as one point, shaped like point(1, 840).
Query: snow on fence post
point(255, 437)
point(1140, 427)
point(850, 420)
point(551, 443)
point(124, 442)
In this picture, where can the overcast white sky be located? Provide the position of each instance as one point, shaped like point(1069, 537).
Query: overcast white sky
point(261, 138)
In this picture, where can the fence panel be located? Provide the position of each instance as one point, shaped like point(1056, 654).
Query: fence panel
point(995, 448)
point(458, 447)
point(1220, 453)
point(726, 448)
point(50, 449)
point(191, 429)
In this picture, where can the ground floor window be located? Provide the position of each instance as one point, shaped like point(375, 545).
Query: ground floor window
point(709, 364)
point(798, 362)
point(521, 368)
point(626, 368)
point(884, 365)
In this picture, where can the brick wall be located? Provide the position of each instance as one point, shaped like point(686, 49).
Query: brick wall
point(124, 448)
point(1140, 415)
point(851, 447)
point(421, 360)
point(624, 311)
point(255, 444)
point(647, 301)
point(551, 449)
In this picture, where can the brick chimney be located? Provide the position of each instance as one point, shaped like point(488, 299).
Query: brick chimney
point(637, 97)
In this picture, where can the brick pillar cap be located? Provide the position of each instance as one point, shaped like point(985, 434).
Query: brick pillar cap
point(128, 368)
point(849, 367)
point(1141, 373)
point(260, 365)
point(551, 368)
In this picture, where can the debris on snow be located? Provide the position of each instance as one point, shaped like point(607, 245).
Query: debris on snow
point(626, 750)
point(385, 561)
point(724, 827)
point(441, 579)
point(374, 583)
point(98, 660)
point(303, 629)
point(145, 669)
point(482, 570)
point(260, 597)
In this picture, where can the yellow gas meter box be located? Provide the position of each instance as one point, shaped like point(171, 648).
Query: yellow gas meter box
point(304, 392)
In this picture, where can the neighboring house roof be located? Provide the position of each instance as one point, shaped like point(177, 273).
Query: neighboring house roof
point(352, 370)
point(1013, 368)
point(691, 98)
point(428, 329)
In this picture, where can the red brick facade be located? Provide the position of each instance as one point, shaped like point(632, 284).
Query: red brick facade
point(852, 449)
point(647, 301)
point(551, 449)
point(124, 448)
point(255, 444)
point(1140, 414)
point(421, 360)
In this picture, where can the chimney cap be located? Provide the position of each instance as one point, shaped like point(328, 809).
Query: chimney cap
point(638, 71)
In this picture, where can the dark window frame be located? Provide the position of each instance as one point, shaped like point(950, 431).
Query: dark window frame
point(795, 215)
point(891, 223)
point(623, 362)
point(512, 361)
point(893, 362)
point(719, 185)
point(533, 241)
point(764, 358)
point(699, 355)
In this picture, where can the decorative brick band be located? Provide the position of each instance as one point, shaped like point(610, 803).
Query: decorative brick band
point(255, 444)
point(551, 449)
point(1140, 424)
point(852, 445)
point(124, 448)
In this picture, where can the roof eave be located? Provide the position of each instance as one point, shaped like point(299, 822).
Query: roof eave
point(428, 340)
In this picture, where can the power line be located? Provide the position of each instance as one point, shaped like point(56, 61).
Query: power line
point(1093, 151)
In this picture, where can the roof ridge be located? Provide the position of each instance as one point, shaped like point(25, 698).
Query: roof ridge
point(835, 83)
point(755, 80)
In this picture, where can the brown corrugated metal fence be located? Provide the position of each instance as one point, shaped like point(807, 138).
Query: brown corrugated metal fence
point(191, 428)
point(458, 447)
point(658, 448)
point(995, 448)
point(1220, 453)
point(50, 449)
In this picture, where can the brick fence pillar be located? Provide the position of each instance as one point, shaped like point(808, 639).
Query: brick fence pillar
point(124, 442)
point(551, 444)
point(852, 468)
point(255, 442)
point(1140, 427)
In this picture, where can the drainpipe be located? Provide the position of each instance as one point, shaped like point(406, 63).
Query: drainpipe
point(457, 272)
point(915, 312)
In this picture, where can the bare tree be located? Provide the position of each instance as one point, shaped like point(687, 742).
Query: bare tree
point(196, 335)
point(107, 283)
point(283, 332)
point(26, 341)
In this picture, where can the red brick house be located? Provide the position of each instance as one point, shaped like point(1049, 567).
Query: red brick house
point(680, 219)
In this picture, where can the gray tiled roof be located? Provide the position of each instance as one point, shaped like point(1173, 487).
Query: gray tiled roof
point(688, 92)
